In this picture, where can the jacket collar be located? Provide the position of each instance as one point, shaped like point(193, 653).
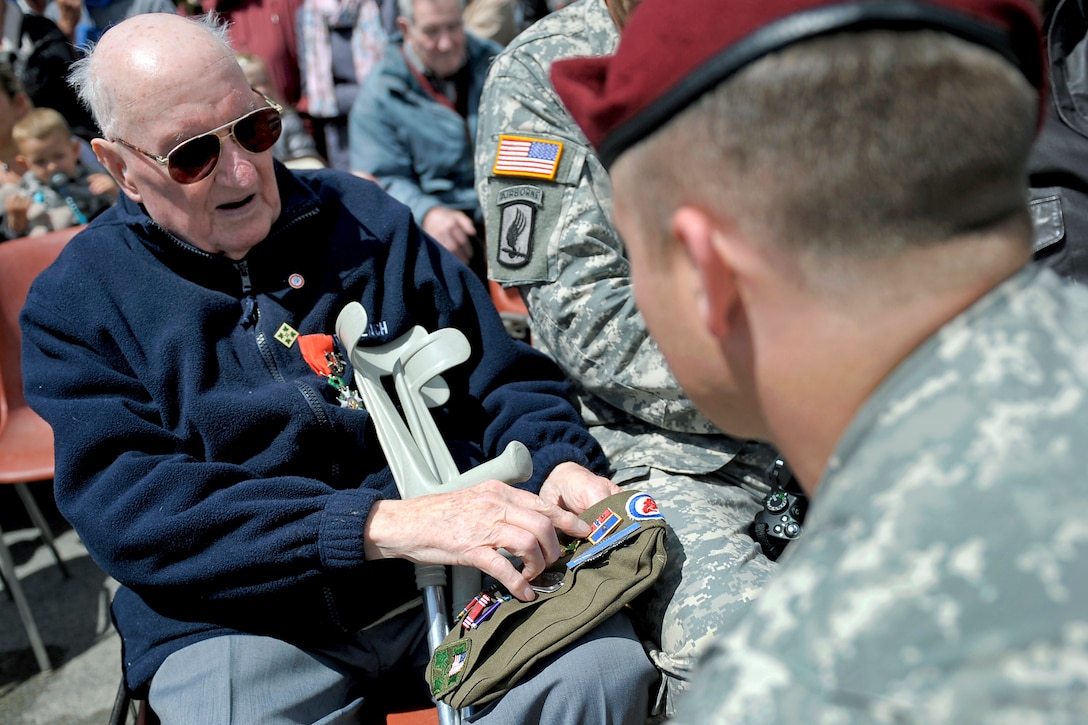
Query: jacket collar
point(298, 202)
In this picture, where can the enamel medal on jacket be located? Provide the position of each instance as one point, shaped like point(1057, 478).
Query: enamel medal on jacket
point(321, 355)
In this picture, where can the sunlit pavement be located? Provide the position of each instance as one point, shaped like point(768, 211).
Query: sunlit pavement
point(73, 618)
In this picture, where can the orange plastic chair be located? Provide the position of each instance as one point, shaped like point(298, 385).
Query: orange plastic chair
point(26, 441)
point(426, 716)
point(512, 310)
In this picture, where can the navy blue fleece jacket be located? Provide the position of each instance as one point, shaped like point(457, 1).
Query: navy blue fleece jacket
point(203, 463)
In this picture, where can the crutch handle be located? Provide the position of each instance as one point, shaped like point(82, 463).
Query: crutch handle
point(513, 465)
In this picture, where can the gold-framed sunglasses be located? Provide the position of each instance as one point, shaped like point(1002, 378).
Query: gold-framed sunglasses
point(196, 158)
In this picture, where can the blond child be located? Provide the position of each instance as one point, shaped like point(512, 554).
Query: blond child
point(57, 191)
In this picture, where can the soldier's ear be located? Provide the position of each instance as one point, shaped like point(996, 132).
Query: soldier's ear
point(710, 250)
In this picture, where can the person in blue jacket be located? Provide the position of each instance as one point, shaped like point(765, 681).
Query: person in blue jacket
point(413, 123)
point(264, 554)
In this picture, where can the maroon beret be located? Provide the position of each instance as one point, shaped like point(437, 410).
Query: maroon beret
point(673, 51)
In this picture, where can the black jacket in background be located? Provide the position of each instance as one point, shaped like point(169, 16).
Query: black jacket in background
point(1058, 166)
point(42, 64)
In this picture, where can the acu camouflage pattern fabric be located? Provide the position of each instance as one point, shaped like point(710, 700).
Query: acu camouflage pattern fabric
point(943, 574)
point(575, 276)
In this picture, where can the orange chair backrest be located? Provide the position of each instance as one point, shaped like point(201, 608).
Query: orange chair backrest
point(21, 260)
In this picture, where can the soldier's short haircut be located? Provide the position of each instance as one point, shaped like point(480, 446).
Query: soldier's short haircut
point(859, 143)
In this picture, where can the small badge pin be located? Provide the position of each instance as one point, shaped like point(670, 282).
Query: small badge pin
point(604, 524)
point(547, 582)
point(296, 280)
point(286, 335)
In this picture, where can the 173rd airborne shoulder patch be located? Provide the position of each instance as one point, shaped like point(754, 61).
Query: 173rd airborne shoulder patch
point(526, 157)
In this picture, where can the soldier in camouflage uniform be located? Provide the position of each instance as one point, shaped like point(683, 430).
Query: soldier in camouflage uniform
point(550, 233)
point(835, 193)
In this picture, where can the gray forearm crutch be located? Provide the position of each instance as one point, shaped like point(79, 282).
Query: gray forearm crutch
point(417, 454)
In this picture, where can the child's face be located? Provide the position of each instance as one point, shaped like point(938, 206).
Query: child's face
point(258, 79)
point(46, 156)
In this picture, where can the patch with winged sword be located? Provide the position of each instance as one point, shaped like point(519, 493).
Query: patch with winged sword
point(519, 206)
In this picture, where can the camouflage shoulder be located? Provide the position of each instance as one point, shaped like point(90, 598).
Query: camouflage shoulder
point(586, 24)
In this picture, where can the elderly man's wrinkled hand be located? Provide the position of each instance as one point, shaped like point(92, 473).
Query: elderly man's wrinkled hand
point(470, 527)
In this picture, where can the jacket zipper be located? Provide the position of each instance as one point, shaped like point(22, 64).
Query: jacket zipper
point(251, 317)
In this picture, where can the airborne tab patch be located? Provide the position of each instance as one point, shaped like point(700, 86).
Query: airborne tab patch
point(526, 156)
point(519, 205)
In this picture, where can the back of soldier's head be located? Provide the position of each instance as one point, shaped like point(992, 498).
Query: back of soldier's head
point(846, 126)
point(857, 142)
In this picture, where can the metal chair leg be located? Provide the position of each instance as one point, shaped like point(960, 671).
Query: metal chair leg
point(7, 587)
point(7, 566)
point(122, 706)
point(39, 521)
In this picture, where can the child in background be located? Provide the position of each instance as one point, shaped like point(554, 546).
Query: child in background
point(296, 147)
point(57, 192)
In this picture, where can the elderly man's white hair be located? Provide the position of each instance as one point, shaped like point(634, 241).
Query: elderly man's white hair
point(91, 84)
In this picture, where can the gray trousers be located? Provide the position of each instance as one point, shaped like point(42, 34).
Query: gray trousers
point(603, 678)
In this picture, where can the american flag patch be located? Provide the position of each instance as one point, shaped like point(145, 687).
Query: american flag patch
point(458, 663)
point(524, 156)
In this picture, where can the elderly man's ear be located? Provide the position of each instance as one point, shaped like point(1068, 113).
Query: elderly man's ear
point(109, 155)
point(713, 254)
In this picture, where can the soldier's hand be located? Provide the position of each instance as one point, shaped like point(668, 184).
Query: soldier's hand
point(575, 488)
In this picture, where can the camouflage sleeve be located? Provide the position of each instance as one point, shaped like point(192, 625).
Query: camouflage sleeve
point(554, 239)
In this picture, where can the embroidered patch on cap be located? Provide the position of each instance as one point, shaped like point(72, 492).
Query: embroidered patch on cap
point(642, 506)
point(448, 665)
point(525, 156)
point(605, 546)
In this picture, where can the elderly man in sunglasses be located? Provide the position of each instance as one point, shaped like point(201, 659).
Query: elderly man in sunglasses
point(222, 472)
